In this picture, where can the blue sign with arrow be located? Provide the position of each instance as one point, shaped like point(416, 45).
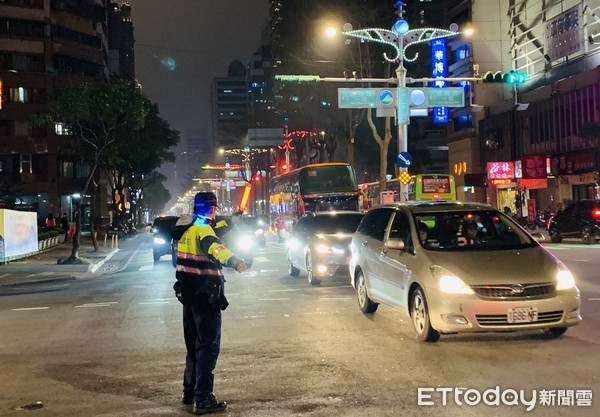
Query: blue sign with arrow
point(404, 160)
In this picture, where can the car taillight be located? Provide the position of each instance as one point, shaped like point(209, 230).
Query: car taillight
point(596, 213)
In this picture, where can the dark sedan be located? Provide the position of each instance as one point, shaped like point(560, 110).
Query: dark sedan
point(162, 243)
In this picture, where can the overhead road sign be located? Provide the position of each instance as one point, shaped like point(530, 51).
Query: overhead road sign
point(437, 97)
point(366, 98)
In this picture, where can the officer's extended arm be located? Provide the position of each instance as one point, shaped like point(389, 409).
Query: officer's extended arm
point(211, 245)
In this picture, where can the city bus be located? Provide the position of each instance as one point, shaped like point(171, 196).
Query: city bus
point(432, 187)
point(311, 188)
point(422, 187)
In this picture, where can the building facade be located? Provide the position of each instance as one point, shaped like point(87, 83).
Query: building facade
point(535, 142)
point(44, 46)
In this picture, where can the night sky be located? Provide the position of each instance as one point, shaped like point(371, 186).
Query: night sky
point(181, 45)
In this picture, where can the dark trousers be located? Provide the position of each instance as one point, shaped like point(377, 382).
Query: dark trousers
point(202, 334)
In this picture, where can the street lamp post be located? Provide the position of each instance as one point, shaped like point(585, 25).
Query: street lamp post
point(401, 38)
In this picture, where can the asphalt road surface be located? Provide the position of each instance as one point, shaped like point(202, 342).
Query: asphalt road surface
point(112, 345)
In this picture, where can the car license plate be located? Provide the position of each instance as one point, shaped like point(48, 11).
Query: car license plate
point(522, 315)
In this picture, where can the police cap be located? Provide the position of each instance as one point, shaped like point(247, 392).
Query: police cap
point(205, 200)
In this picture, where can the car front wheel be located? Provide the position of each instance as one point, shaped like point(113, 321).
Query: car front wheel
point(293, 271)
point(420, 317)
point(312, 280)
point(555, 237)
point(587, 236)
point(364, 302)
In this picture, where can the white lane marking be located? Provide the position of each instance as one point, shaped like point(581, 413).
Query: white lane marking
point(273, 299)
point(593, 299)
point(146, 267)
point(581, 260)
point(92, 305)
point(154, 302)
point(4, 275)
point(30, 308)
point(269, 270)
point(160, 299)
point(285, 290)
point(261, 259)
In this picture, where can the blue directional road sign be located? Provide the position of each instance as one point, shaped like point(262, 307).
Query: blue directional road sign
point(404, 159)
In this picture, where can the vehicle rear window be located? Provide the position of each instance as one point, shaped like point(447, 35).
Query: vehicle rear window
point(329, 224)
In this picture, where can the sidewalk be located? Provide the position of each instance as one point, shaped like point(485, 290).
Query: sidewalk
point(44, 266)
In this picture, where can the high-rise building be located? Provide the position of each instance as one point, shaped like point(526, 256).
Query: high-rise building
point(121, 41)
point(45, 45)
point(230, 107)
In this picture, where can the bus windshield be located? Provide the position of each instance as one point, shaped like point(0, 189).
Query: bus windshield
point(327, 179)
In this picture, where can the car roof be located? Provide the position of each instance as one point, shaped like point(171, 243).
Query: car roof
point(331, 213)
point(165, 221)
point(426, 206)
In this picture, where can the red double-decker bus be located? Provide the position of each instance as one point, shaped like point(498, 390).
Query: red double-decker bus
point(311, 188)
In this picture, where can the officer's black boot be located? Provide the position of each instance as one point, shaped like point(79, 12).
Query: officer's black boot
point(209, 405)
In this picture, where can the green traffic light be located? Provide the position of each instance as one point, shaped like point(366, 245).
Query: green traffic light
point(514, 78)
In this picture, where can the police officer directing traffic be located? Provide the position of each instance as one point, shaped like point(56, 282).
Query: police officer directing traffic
point(200, 288)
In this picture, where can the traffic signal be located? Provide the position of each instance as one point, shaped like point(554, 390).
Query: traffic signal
point(515, 77)
point(511, 78)
point(283, 167)
point(257, 177)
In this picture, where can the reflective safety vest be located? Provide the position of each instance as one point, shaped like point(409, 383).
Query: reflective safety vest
point(200, 254)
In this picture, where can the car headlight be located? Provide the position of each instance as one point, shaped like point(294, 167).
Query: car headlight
point(450, 283)
point(159, 241)
point(259, 232)
point(245, 241)
point(323, 248)
point(564, 278)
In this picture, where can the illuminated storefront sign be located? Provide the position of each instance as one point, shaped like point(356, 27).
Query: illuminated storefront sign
point(500, 181)
point(534, 167)
point(439, 70)
point(501, 170)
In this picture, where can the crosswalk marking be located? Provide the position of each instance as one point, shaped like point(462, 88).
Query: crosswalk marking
point(147, 267)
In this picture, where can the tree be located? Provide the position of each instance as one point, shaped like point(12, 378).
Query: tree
point(128, 170)
point(155, 194)
point(96, 115)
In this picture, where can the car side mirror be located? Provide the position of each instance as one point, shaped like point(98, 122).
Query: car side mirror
point(395, 244)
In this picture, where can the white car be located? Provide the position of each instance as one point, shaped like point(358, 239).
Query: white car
point(460, 267)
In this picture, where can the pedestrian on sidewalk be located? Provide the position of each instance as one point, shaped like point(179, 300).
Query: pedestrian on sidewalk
point(200, 288)
point(50, 221)
point(64, 224)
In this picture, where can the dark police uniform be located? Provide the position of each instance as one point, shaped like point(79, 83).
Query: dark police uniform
point(200, 257)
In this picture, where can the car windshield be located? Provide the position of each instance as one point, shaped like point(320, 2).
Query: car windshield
point(164, 224)
point(465, 231)
point(332, 224)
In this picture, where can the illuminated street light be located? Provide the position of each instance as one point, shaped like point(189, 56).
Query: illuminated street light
point(330, 32)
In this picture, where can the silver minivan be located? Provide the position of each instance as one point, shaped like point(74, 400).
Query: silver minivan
point(459, 267)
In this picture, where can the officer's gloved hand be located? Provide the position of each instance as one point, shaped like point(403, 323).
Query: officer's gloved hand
point(241, 266)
